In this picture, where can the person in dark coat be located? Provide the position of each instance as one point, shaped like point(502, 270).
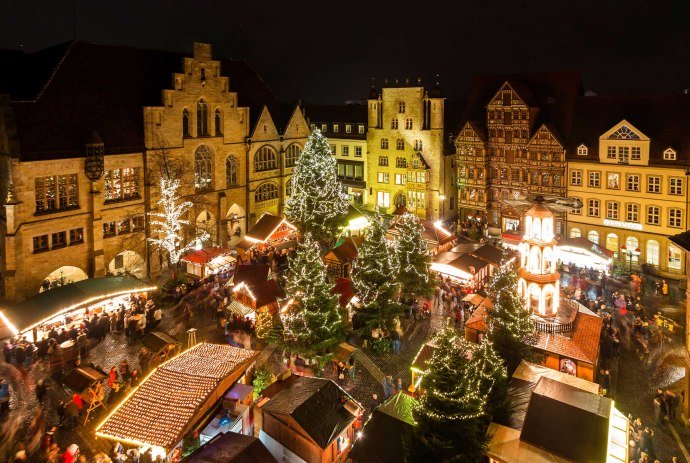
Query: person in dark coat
point(19, 354)
point(103, 326)
point(7, 350)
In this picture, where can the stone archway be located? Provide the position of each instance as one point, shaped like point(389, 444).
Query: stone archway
point(62, 276)
point(206, 221)
point(128, 262)
point(236, 223)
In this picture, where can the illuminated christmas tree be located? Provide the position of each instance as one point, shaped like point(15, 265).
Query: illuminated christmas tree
point(312, 320)
point(317, 202)
point(511, 324)
point(413, 257)
point(374, 276)
point(450, 415)
point(493, 379)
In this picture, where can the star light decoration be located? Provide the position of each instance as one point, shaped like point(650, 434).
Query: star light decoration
point(159, 411)
point(168, 224)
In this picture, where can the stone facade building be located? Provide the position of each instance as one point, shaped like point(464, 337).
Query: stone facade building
point(512, 144)
point(82, 129)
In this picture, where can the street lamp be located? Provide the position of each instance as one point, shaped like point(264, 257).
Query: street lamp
point(630, 253)
point(442, 198)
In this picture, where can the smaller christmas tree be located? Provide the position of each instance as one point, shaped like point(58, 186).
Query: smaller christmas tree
point(511, 324)
point(374, 278)
point(493, 380)
point(413, 257)
point(312, 320)
point(450, 415)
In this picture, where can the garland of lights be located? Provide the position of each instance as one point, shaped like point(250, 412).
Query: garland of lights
point(168, 224)
point(311, 319)
point(509, 312)
point(374, 275)
point(413, 256)
point(317, 200)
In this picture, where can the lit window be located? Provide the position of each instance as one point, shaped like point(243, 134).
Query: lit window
point(582, 150)
point(593, 236)
point(669, 154)
point(56, 193)
point(348, 128)
point(575, 233)
point(613, 180)
point(383, 199)
point(382, 177)
point(400, 179)
point(121, 184)
point(360, 129)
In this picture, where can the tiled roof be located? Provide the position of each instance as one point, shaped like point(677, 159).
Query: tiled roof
point(582, 345)
point(353, 113)
point(467, 261)
point(251, 274)
point(489, 253)
point(665, 119)
point(554, 93)
point(61, 94)
point(682, 240)
point(267, 292)
point(478, 320)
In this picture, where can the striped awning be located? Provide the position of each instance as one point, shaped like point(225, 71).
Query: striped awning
point(240, 309)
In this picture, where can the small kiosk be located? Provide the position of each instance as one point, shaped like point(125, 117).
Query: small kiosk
point(269, 230)
point(209, 261)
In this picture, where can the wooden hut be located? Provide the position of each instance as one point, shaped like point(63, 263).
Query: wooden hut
point(339, 259)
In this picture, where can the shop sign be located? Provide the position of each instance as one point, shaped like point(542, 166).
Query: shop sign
point(620, 224)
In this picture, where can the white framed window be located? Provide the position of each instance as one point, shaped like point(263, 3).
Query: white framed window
point(593, 208)
point(336, 128)
point(675, 186)
point(632, 212)
point(611, 152)
point(623, 154)
point(613, 180)
point(400, 179)
point(324, 127)
point(612, 210)
point(669, 154)
point(635, 153)
point(408, 123)
point(675, 217)
point(358, 151)
point(633, 182)
point(675, 257)
point(576, 177)
point(575, 233)
point(653, 252)
point(593, 236)
point(653, 213)
point(653, 184)
point(348, 128)
point(360, 129)
point(382, 177)
point(595, 179)
point(383, 199)
point(582, 150)
point(345, 150)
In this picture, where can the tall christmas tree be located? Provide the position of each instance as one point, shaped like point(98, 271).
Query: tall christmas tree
point(312, 320)
point(493, 380)
point(510, 321)
point(374, 278)
point(317, 202)
point(413, 257)
point(450, 416)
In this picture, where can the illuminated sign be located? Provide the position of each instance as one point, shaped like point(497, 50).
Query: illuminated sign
point(619, 224)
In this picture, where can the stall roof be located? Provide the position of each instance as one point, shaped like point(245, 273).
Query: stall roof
point(240, 309)
point(162, 409)
point(156, 341)
point(251, 274)
point(581, 344)
point(478, 319)
point(469, 263)
point(314, 404)
point(231, 447)
point(265, 227)
point(79, 379)
point(391, 423)
point(206, 255)
point(267, 292)
point(345, 250)
point(49, 304)
point(489, 253)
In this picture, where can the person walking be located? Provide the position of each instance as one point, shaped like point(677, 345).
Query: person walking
point(395, 337)
point(387, 386)
point(351, 369)
point(374, 403)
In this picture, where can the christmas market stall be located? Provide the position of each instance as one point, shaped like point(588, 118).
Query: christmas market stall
point(418, 367)
point(584, 253)
point(465, 269)
point(339, 259)
point(253, 292)
point(387, 433)
point(269, 230)
point(177, 398)
point(475, 326)
point(231, 447)
point(160, 347)
point(67, 305)
point(209, 261)
point(308, 419)
point(437, 238)
point(542, 400)
point(88, 383)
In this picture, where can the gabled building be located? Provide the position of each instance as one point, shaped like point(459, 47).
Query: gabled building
point(629, 164)
point(82, 123)
point(511, 143)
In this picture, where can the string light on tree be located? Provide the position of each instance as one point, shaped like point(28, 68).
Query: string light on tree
point(168, 223)
point(317, 201)
point(413, 256)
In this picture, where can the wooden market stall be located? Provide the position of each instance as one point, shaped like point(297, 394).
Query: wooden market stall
point(437, 238)
point(308, 418)
point(176, 398)
point(231, 447)
point(208, 261)
point(69, 304)
point(269, 230)
point(253, 292)
point(339, 259)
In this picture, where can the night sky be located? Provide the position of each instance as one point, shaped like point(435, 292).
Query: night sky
point(328, 52)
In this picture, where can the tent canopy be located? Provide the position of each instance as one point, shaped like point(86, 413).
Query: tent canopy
point(63, 299)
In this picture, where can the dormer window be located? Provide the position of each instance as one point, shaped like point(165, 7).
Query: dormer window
point(360, 129)
point(669, 154)
point(335, 128)
point(348, 128)
point(324, 127)
point(582, 150)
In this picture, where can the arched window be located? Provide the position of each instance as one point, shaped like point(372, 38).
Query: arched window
point(231, 171)
point(394, 123)
point(291, 154)
point(400, 200)
point(400, 144)
point(202, 168)
point(201, 118)
point(288, 187)
point(218, 123)
point(185, 124)
point(593, 236)
point(632, 243)
point(384, 143)
point(401, 106)
point(265, 159)
point(612, 242)
point(266, 192)
point(418, 145)
point(575, 233)
point(653, 252)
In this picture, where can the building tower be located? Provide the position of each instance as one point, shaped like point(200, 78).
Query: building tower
point(538, 282)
